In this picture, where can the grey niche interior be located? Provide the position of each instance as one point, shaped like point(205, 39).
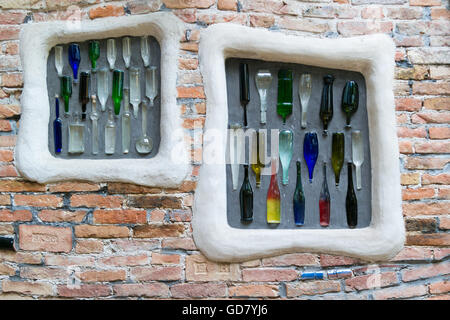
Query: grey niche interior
point(153, 113)
point(359, 121)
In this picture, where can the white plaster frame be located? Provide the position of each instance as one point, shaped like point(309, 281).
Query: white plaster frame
point(373, 56)
point(33, 159)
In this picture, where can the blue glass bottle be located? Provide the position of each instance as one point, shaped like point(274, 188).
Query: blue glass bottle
point(74, 59)
point(299, 199)
point(310, 152)
point(57, 127)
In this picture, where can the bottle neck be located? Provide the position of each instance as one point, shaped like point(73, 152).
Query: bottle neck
point(246, 172)
point(350, 175)
point(57, 107)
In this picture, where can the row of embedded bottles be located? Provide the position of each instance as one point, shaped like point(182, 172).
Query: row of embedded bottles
point(100, 92)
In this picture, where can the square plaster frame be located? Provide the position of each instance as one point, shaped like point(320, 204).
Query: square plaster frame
point(373, 56)
point(33, 159)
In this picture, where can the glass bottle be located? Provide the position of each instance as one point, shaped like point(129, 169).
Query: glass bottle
point(285, 145)
point(258, 152)
point(310, 152)
point(76, 135)
point(350, 100)
point(263, 80)
point(94, 119)
point(236, 146)
point(326, 104)
point(59, 63)
point(324, 200)
point(103, 87)
point(84, 93)
point(246, 198)
point(135, 90)
point(151, 84)
point(111, 52)
point(145, 51)
point(66, 92)
point(337, 154)
point(74, 59)
point(244, 86)
point(357, 155)
point(110, 133)
point(299, 199)
point(94, 53)
point(284, 101)
point(273, 196)
point(304, 93)
point(57, 127)
point(126, 122)
point(126, 51)
point(144, 144)
point(117, 90)
point(351, 203)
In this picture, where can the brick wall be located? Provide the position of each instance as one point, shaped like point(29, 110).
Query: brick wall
point(89, 240)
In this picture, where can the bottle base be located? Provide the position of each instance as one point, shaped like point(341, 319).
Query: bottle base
point(273, 222)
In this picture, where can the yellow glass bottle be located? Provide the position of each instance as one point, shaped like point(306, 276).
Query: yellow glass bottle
point(273, 196)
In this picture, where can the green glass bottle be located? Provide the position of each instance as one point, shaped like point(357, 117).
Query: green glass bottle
point(337, 154)
point(285, 96)
point(117, 89)
point(94, 53)
point(350, 100)
point(246, 198)
point(66, 92)
point(351, 203)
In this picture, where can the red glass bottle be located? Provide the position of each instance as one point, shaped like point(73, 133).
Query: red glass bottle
point(324, 200)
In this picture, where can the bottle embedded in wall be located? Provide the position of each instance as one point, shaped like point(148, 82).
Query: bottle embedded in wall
point(285, 93)
point(57, 127)
point(310, 152)
point(350, 100)
point(94, 53)
point(324, 200)
point(84, 93)
point(246, 198)
point(74, 59)
point(117, 90)
point(337, 154)
point(94, 119)
point(76, 135)
point(326, 104)
point(244, 85)
point(126, 122)
point(286, 148)
point(299, 199)
point(66, 93)
point(351, 203)
point(273, 196)
point(258, 152)
point(110, 133)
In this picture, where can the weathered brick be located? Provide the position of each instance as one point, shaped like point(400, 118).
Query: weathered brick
point(405, 132)
point(430, 117)
point(181, 4)
point(68, 261)
point(73, 187)
point(158, 231)
point(128, 188)
point(253, 290)
point(432, 147)
point(417, 194)
point(413, 254)
point(171, 273)
point(21, 257)
point(143, 6)
point(410, 178)
point(440, 41)
point(439, 132)
point(89, 246)
point(128, 260)
point(119, 216)
point(102, 275)
point(6, 156)
point(426, 208)
point(433, 239)
point(269, 274)
point(377, 280)
point(7, 270)
point(424, 3)
point(15, 215)
point(6, 229)
point(5, 126)
point(221, 17)
point(444, 223)
point(199, 268)
point(441, 253)
point(307, 25)
point(180, 215)
point(312, 288)
point(413, 73)
point(440, 287)
point(431, 88)
point(106, 11)
point(187, 15)
point(180, 244)
point(439, 72)
point(416, 163)
point(263, 21)
point(28, 288)
point(44, 273)
point(293, 259)
point(89, 231)
point(159, 258)
point(12, 80)
point(141, 290)
point(8, 171)
point(440, 13)
point(404, 13)
point(420, 27)
point(157, 215)
point(349, 28)
point(45, 238)
point(327, 260)
point(62, 216)
point(38, 200)
point(408, 104)
point(8, 141)
point(96, 201)
point(439, 103)
point(401, 292)
point(198, 290)
point(148, 201)
point(134, 245)
point(424, 272)
point(9, 32)
point(84, 291)
point(421, 224)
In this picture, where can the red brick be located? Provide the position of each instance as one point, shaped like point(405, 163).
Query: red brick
point(199, 268)
point(158, 258)
point(62, 216)
point(424, 3)
point(191, 92)
point(193, 123)
point(431, 88)
point(349, 28)
point(69, 261)
point(433, 239)
point(405, 147)
point(106, 11)
point(21, 186)
point(417, 194)
point(255, 290)
point(440, 287)
point(410, 178)
point(127, 188)
point(9, 32)
point(96, 201)
point(432, 147)
point(156, 273)
point(5, 126)
point(12, 80)
point(5, 200)
point(187, 64)
point(45, 238)
point(269, 274)
point(141, 290)
point(16, 215)
point(198, 290)
point(85, 291)
point(89, 231)
point(8, 171)
point(120, 216)
point(157, 215)
point(440, 13)
point(444, 223)
point(133, 245)
point(439, 103)
point(123, 261)
point(180, 215)
point(405, 132)
point(415, 163)
point(180, 244)
point(403, 13)
point(408, 104)
point(6, 156)
point(402, 118)
point(444, 194)
point(263, 21)
point(227, 5)
point(439, 132)
point(413, 254)
point(430, 117)
point(28, 288)
point(182, 4)
point(400, 292)
point(425, 208)
point(44, 273)
point(12, 17)
point(370, 281)
point(332, 260)
point(307, 25)
point(294, 259)
point(425, 272)
point(312, 288)
point(38, 200)
point(88, 246)
point(158, 231)
point(441, 253)
point(443, 178)
point(74, 187)
point(7, 270)
point(103, 275)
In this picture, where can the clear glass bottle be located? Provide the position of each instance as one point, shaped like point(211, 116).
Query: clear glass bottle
point(111, 52)
point(246, 198)
point(110, 133)
point(286, 148)
point(151, 84)
point(103, 87)
point(145, 51)
point(304, 93)
point(263, 80)
point(135, 90)
point(144, 144)
point(94, 119)
point(357, 156)
point(273, 196)
point(76, 135)
point(59, 62)
point(126, 122)
point(126, 51)
point(236, 146)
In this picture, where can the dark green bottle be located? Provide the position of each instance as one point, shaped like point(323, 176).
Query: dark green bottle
point(66, 92)
point(117, 90)
point(244, 85)
point(246, 198)
point(94, 53)
point(351, 203)
point(83, 93)
point(299, 199)
point(326, 104)
point(285, 96)
point(350, 100)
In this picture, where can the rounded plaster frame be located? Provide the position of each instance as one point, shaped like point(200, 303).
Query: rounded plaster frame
point(373, 56)
point(33, 159)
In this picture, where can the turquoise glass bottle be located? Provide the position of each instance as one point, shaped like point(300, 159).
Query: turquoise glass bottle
point(285, 145)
